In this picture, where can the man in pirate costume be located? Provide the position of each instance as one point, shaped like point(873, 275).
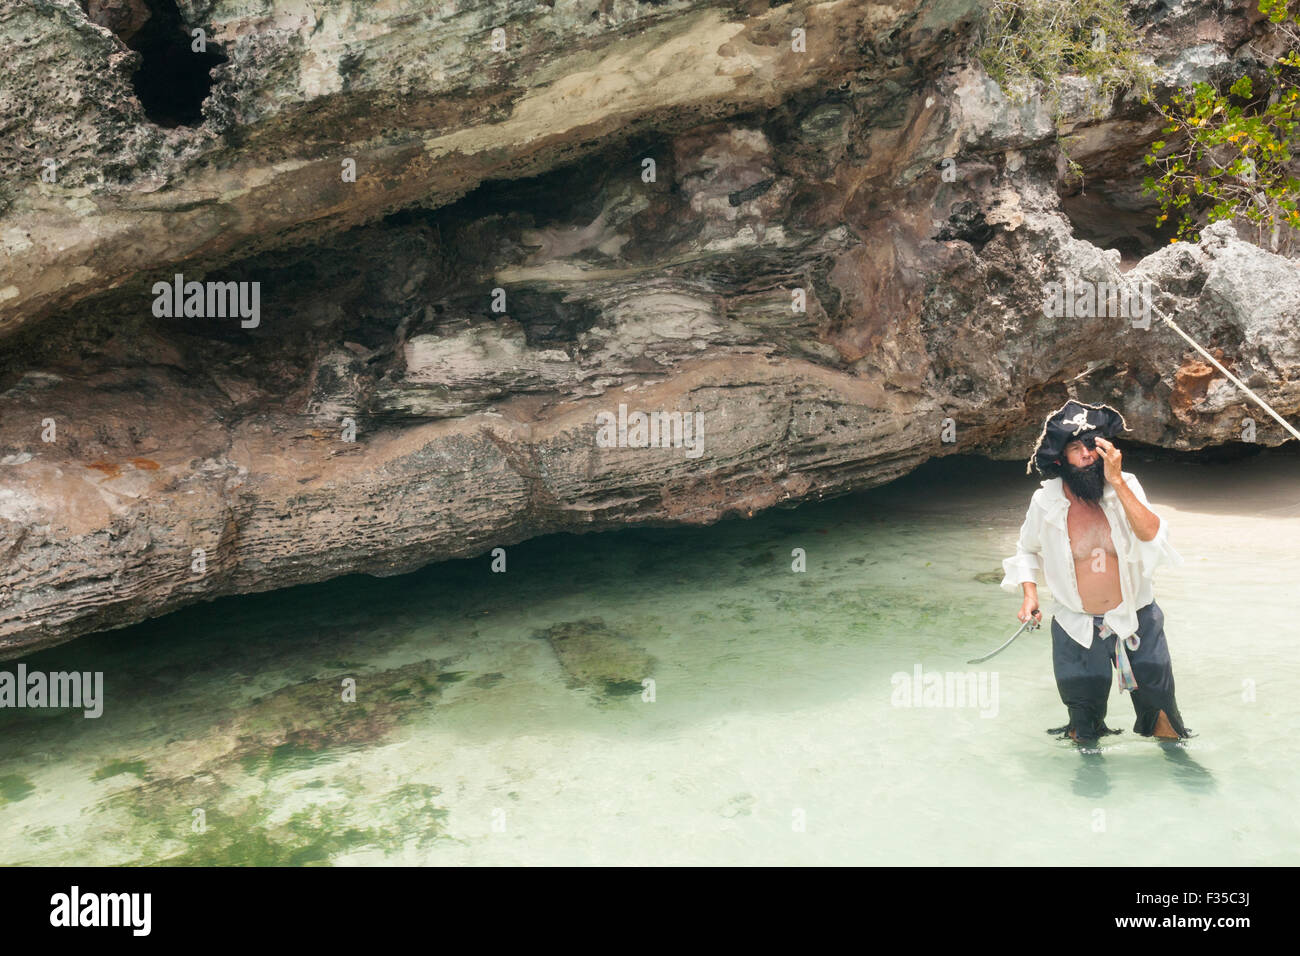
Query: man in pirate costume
point(1091, 532)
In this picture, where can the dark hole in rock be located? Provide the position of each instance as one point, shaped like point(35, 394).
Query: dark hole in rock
point(173, 79)
point(1112, 221)
point(966, 223)
point(750, 192)
point(551, 319)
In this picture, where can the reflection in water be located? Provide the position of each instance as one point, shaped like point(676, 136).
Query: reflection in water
point(665, 696)
point(1090, 779)
point(1189, 774)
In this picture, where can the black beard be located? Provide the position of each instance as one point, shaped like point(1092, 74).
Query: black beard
point(1086, 483)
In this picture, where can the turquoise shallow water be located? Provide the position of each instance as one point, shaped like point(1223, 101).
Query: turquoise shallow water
point(502, 718)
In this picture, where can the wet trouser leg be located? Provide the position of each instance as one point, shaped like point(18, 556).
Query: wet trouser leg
point(1083, 681)
point(1154, 673)
point(1083, 678)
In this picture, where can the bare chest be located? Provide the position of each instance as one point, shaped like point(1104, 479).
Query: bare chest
point(1089, 531)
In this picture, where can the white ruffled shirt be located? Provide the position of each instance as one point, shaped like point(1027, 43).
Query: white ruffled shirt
point(1045, 544)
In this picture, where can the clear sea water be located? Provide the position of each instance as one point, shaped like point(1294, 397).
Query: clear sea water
point(503, 718)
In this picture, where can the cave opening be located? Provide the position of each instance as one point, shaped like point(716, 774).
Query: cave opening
point(173, 79)
point(1118, 220)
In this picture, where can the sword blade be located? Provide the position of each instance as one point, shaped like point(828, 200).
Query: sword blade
point(1005, 644)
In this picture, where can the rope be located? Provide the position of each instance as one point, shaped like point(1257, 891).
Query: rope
point(1236, 381)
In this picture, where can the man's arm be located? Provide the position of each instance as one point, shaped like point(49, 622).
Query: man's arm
point(1029, 606)
point(1144, 522)
point(1020, 569)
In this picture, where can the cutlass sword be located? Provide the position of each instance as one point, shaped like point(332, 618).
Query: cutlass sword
point(1032, 624)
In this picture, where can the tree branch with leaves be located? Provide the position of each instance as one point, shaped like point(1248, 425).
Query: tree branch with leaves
point(1233, 151)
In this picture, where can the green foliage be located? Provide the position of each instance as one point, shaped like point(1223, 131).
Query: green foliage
point(1030, 45)
point(1233, 151)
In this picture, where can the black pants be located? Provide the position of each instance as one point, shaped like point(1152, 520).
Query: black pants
point(1083, 678)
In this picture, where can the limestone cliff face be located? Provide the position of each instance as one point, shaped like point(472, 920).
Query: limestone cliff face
point(832, 246)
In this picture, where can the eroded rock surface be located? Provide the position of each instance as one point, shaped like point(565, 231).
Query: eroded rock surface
point(437, 340)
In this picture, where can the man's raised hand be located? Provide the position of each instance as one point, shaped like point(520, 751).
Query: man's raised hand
point(1111, 457)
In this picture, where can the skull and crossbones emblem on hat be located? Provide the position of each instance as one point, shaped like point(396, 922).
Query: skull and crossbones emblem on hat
point(1080, 420)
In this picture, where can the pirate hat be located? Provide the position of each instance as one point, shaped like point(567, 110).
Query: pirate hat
point(1073, 421)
